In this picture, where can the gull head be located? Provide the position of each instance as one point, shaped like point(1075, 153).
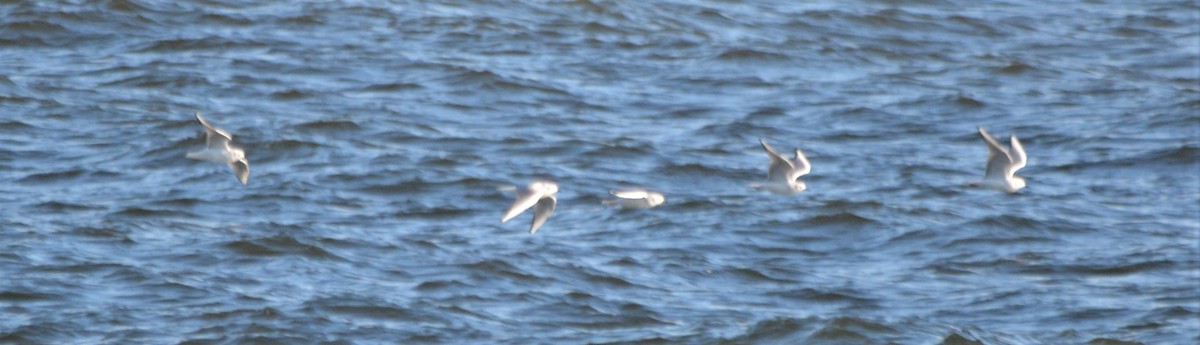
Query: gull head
point(1015, 183)
point(792, 188)
point(548, 187)
point(236, 153)
point(655, 199)
point(799, 186)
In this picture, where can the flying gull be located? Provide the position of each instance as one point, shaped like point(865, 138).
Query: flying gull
point(1002, 164)
point(538, 192)
point(783, 177)
point(636, 198)
point(219, 149)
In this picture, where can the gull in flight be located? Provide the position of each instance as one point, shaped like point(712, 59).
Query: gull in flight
point(218, 149)
point(636, 198)
point(538, 192)
point(1002, 164)
point(783, 176)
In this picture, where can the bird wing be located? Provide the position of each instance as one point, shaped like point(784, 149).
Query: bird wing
point(998, 159)
point(545, 207)
point(802, 165)
point(780, 168)
point(1018, 155)
point(630, 193)
point(214, 137)
point(241, 169)
point(526, 198)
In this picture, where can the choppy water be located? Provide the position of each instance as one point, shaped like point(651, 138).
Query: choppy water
point(377, 135)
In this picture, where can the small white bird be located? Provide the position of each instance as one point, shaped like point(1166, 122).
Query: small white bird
point(635, 198)
point(783, 175)
point(538, 192)
point(1002, 164)
point(218, 149)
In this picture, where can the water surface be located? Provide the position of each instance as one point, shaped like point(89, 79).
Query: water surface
point(378, 133)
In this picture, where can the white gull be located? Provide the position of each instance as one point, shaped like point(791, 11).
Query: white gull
point(1002, 164)
point(636, 198)
point(538, 192)
point(218, 149)
point(783, 177)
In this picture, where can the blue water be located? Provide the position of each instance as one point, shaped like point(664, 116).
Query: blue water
point(378, 135)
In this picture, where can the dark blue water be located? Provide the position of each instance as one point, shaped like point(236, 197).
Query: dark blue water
point(378, 134)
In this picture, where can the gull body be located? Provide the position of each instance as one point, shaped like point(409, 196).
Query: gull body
point(783, 177)
point(219, 149)
point(1002, 164)
point(636, 198)
point(538, 192)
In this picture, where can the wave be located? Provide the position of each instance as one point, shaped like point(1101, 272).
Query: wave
point(392, 87)
point(488, 80)
point(61, 206)
point(747, 131)
point(151, 213)
point(159, 80)
point(422, 211)
point(1118, 269)
point(53, 176)
point(959, 339)
point(199, 44)
point(439, 285)
point(620, 148)
point(293, 94)
point(329, 125)
point(846, 219)
point(750, 55)
point(371, 308)
point(1184, 156)
point(501, 268)
point(12, 296)
point(695, 171)
point(34, 27)
point(279, 245)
